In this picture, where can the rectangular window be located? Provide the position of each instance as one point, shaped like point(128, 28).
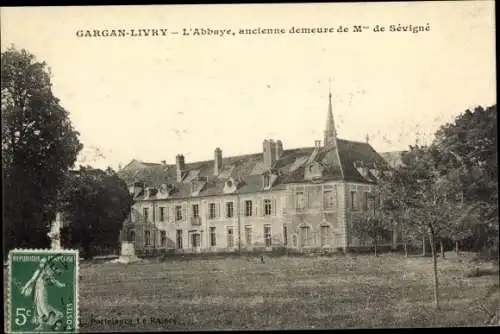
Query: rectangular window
point(229, 210)
point(285, 235)
point(328, 199)
point(365, 201)
point(195, 240)
point(196, 210)
point(304, 236)
point(163, 238)
point(212, 237)
point(146, 214)
point(162, 213)
point(178, 212)
point(324, 230)
point(353, 200)
point(211, 211)
point(267, 235)
point(230, 237)
point(267, 207)
point(248, 232)
point(300, 200)
point(131, 235)
point(179, 239)
point(147, 238)
point(248, 208)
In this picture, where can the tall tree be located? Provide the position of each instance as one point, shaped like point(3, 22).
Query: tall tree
point(374, 224)
point(96, 203)
point(39, 144)
point(465, 151)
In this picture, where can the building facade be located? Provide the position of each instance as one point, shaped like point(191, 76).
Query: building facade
point(303, 198)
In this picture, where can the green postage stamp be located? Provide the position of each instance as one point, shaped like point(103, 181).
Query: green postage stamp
point(43, 291)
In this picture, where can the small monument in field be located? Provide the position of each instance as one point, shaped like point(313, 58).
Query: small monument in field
point(127, 252)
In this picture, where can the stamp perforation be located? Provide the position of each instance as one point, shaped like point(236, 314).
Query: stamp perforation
point(8, 323)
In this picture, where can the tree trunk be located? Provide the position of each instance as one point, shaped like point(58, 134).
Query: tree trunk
point(434, 260)
point(456, 247)
point(87, 251)
point(405, 246)
point(423, 246)
point(441, 248)
point(376, 247)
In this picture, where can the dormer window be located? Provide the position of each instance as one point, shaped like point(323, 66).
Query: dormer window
point(197, 185)
point(314, 171)
point(375, 173)
point(267, 180)
point(361, 168)
point(152, 192)
point(231, 185)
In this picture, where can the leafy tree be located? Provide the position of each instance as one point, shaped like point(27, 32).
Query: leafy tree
point(465, 151)
point(450, 189)
point(39, 144)
point(373, 224)
point(96, 203)
point(397, 204)
point(433, 198)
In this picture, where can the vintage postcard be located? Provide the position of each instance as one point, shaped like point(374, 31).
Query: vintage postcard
point(250, 166)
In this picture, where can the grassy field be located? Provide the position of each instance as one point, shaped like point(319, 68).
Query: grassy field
point(282, 293)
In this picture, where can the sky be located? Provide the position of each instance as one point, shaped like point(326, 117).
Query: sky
point(151, 98)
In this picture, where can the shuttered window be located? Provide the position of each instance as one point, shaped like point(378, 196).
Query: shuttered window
point(248, 208)
point(196, 210)
point(211, 211)
point(230, 237)
point(353, 200)
point(213, 239)
point(179, 239)
point(162, 213)
point(300, 200)
point(178, 212)
point(267, 235)
point(229, 210)
point(267, 207)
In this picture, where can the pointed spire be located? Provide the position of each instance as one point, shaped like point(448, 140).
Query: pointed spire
point(330, 132)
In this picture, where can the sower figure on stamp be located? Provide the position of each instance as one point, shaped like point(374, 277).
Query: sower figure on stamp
point(44, 314)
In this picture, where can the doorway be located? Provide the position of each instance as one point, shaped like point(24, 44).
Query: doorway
point(196, 241)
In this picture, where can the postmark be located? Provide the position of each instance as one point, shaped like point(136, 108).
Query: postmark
point(43, 291)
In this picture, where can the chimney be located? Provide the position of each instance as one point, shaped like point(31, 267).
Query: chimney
point(217, 161)
point(279, 149)
point(268, 153)
point(179, 161)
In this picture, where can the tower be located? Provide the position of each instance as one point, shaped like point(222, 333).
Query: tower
point(330, 140)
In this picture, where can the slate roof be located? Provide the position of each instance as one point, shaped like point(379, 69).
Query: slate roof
point(248, 169)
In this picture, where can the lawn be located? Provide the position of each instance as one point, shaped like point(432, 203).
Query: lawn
point(282, 293)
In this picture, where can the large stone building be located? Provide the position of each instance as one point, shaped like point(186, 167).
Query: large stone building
point(301, 198)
